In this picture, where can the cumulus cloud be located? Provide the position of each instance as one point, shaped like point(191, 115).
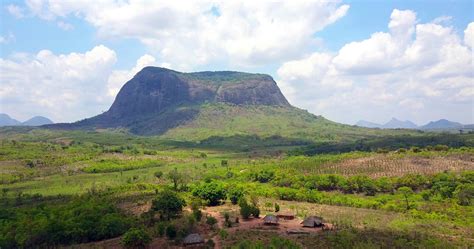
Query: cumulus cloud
point(202, 32)
point(119, 77)
point(64, 87)
point(15, 10)
point(421, 71)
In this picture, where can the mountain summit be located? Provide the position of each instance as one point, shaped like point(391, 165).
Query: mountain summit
point(158, 99)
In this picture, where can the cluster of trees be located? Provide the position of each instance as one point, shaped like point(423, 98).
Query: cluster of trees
point(447, 185)
point(81, 220)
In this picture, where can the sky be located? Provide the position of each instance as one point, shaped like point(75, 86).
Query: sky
point(345, 60)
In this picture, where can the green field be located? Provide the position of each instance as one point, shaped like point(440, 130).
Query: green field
point(79, 187)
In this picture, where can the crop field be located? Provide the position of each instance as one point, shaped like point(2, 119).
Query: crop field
point(415, 197)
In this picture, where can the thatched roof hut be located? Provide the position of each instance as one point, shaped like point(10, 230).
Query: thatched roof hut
point(270, 219)
point(313, 221)
point(286, 216)
point(193, 239)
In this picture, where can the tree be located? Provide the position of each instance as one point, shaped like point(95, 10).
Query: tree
point(465, 194)
point(277, 208)
point(212, 192)
point(168, 203)
point(158, 174)
point(235, 193)
point(245, 209)
point(136, 238)
point(175, 177)
point(195, 205)
point(406, 192)
point(211, 221)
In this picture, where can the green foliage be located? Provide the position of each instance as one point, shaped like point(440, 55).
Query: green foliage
point(406, 192)
point(275, 243)
point(158, 174)
point(136, 238)
point(212, 192)
point(175, 177)
point(465, 194)
point(114, 165)
point(78, 221)
point(263, 176)
point(168, 204)
point(211, 221)
point(277, 208)
point(171, 231)
point(234, 194)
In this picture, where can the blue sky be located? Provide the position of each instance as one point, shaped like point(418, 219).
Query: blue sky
point(346, 60)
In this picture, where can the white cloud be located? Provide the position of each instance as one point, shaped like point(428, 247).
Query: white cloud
point(65, 26)
point(7, 39)
point(15, 11)
point(419, 71)
point(119, 77)
point(201, 32)
point(64, 87)
point(469, 35)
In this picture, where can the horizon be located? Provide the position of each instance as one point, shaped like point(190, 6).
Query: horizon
point(405, 60)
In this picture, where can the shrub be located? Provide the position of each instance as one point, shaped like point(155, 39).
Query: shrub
point(235, 193)
point(465, 194)
point(136, 238)
point(212, 192)
point(211, 221)
point(168, 203)
point(277, 208)
point(158, 174)
point(171, 232)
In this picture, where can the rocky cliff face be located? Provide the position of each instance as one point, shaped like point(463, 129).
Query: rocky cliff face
point(159, 99)
point(154, 89)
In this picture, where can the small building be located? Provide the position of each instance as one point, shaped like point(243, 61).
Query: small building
point(313, 221)
point(193, 239)
point(286, 216)
point(270, 219)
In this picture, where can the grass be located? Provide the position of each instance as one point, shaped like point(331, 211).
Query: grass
point(120, 167)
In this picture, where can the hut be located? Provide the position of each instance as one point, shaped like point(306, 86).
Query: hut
point(270, 219)
point(286, 216)
point(193, 239)
point(313, 221)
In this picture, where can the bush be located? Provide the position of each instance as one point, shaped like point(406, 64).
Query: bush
point(235, 193)
point(465, 194)
point(136, 238)
point(211, 221)
point(277, 208)
point(263, 176)
point(168, 203)
point(171, 232)
point(212, 192)
point(158, 174)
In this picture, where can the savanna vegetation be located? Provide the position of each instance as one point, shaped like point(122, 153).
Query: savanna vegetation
point(62, 188)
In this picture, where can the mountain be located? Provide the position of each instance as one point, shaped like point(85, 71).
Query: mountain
point(441, 124)
point(363, 123)
point(197, 106)
point(37, 121)
point(395, 123)
point(6, 120)
point(391, 124)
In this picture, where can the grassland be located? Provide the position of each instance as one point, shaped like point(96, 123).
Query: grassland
point(44, 173)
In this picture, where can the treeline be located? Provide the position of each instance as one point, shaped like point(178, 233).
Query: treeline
point(439, 186)
point(83, 219)
point(388, 143)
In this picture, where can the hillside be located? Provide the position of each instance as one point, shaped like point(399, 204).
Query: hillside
point(6, 120)
point(196, 106)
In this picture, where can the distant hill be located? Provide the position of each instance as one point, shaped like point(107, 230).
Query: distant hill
point(363, 123)
point(395, 123)
point(37, 121)
point(6, 120)
point(391, 124)
point(202, 105)
point(442, 124)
